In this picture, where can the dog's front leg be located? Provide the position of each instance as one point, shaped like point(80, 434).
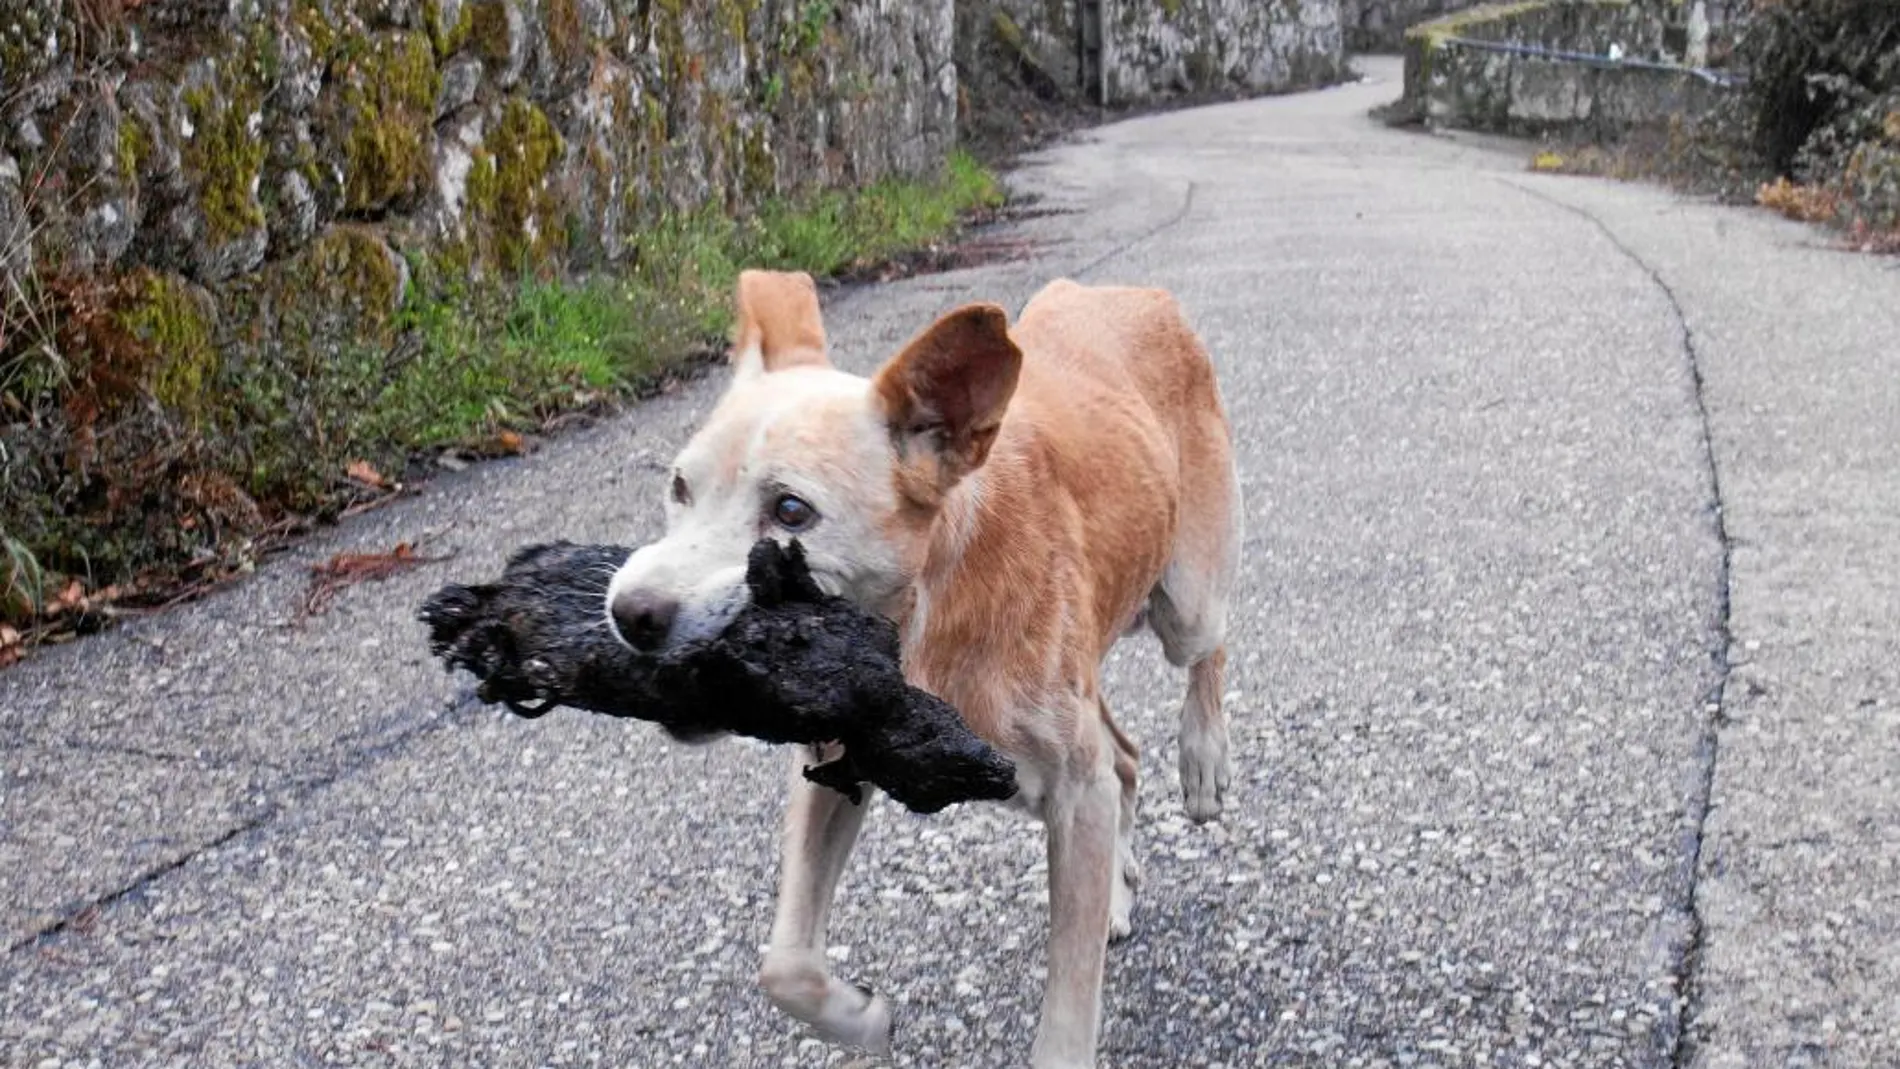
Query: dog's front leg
point(1081, 815)
point(821, 826)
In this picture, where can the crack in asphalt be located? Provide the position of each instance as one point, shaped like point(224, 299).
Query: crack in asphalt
point(1181, 213)
point(349, 765)
point(167, 757)
point(1688, 969)
point(77, 919)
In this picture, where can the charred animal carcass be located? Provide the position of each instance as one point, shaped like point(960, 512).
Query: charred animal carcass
point(796, 666)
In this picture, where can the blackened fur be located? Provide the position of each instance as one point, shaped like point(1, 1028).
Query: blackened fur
point(796, 666)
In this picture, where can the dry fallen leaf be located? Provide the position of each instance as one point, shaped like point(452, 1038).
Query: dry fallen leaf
point(349, 569)
point(361, 471)
point(72, 596)
point(509, 442)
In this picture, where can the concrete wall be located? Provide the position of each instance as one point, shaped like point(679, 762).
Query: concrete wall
point(1166, 47)
point(1453, 84)
point(1380, 25)
point(1158, 49)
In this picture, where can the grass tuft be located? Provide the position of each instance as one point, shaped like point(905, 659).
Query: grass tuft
point(22, 582)
point(491, 361)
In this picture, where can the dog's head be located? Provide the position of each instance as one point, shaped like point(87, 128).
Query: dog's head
point(857, 470)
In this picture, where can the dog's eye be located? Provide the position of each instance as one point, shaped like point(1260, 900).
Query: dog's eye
point(682, 493)
point(793, 513)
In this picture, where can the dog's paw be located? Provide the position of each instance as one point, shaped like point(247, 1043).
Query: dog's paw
point(1121, 914)
point(868, 1028)
point(1205, 775)
point(1121, 903)
point(850, 1015)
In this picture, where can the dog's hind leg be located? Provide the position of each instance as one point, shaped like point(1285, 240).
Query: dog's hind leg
point(1128, 864)
point(1188, 611)
point(821, 826)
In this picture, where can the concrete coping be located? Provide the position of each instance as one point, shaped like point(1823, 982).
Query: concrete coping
point(1591, 59)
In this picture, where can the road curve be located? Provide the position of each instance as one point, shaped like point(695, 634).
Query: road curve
point(1488, 645)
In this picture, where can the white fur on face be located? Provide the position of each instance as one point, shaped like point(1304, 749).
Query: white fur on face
point(811, 432)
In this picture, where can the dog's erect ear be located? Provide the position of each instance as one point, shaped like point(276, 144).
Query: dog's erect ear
point(779, 325)
point(947, 391)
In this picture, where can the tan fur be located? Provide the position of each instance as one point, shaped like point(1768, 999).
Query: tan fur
point(776, 321)
point(1016, 500)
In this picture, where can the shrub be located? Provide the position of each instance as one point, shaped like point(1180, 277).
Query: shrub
point(1824, 95)
point(1813, 64)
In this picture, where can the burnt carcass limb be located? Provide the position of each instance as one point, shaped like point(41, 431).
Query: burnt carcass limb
point(796, 666)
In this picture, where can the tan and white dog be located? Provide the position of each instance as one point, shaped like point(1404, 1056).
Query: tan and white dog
point(1016, 500)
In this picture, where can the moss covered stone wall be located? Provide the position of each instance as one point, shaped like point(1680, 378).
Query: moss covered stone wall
point(237, 237)
point(223, 144)
point(214, 142)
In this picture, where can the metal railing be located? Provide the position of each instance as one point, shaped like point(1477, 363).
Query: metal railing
point(1725, 79)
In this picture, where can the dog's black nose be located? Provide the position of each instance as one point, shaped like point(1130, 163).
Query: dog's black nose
point(644, 618)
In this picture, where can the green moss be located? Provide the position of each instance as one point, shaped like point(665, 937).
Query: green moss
point(134, 148)
point(488, 33)
point(447, 38)
point(314, 23)
point(771, 91)
point(508, 191)
point(175, 321)
point(758, 173)
point(1007, 33)
point(225, 159)
point(330, 308)
point(264, 52)
point(484, 188)
point(1433, 33)
point(676, 59)
point(389, 93)
point(736, 16)
point(801, 78)
point(455, 257)
point(657, 131)
point(349, 266)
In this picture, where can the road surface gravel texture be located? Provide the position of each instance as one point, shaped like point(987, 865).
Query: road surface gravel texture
point(1564, 695)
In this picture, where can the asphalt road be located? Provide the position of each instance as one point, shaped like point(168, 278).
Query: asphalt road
point(1564, 710)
